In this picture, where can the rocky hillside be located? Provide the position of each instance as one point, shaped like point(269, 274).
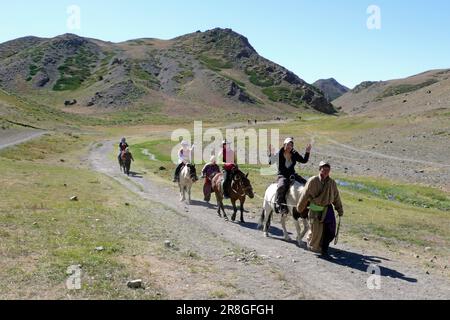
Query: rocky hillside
point(216, 71)
point(425, 92)
point(331, 88)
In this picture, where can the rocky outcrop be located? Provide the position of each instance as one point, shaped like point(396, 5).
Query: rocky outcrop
point(119, 94)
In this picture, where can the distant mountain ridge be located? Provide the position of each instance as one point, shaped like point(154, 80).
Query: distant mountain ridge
point(331, 88)
point(213, 71)
point(420, 93)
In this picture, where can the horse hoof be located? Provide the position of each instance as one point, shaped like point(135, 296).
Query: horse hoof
point(242, 221)
point(266, 235)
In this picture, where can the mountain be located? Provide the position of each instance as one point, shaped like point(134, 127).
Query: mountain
point(424, 92)
point(214, 73)
point(331, 88)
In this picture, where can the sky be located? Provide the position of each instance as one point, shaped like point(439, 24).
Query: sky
point(316, 39)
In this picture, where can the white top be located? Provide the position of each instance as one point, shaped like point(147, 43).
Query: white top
point(184, 155)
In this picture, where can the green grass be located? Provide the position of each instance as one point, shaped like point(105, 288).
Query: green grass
point(50, 144)
point(34, 70)
point(239, 83)
point(405, 88)
point(260, 79)
point(215, 64)
point(184, 76)
point(286, 95)
point(75, 70)
point(50, 118)
point(43, 233)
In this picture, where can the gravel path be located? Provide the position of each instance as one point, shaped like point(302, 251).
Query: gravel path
point(304, 274)
point(15, 137)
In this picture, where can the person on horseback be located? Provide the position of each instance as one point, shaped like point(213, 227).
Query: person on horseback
point(229, 159)
point(287, 159)
point(208, 172)
point(122, 147)
point(184, 157)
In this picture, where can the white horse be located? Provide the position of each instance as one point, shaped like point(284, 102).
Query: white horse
point(292, 198)
point(188, 176)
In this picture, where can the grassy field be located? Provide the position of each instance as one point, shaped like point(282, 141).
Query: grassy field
point(42, 232)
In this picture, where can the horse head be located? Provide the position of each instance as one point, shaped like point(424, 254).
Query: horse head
point(192, 172)
point(244, 184)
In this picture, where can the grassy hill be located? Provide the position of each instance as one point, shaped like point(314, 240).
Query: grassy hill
point(199, 75)
point(425, 92)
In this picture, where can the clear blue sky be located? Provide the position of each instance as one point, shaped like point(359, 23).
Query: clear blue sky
point(315, 39)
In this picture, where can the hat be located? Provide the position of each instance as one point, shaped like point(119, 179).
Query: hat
point(213, 159)
point(123, 139)
point(225, 142)
point(185, 143)
point(288, 140)
point(324, 164)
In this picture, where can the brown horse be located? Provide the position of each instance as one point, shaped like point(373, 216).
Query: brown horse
point(240, 189)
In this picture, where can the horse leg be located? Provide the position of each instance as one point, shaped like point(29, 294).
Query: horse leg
point(305, 227)
point(299, 232)
point(182, 198)
point(242, 210)
point(218, 203)
point(265, 218)
point(261, 220)
point(283, 225)
point(189, 194)
point(233, 217)
point(223, 210)
point(267, 222)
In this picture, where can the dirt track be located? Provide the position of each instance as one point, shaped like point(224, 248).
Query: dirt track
point(303, 274)
point(14, 137)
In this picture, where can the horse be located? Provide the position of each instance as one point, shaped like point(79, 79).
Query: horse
point(240, 189)
point(121, 164)
point(292, 198)
point(188, 176)
point(125, 162)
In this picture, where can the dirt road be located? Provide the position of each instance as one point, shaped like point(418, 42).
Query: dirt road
point(13, 137)
point(303, 274)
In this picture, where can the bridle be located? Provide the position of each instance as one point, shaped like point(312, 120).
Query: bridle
point(240, 184)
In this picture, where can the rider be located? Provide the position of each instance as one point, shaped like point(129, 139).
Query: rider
point(229, 159)
point(123, 145)
point(210, 168)
point(286, 159)
point(208, 173)
point(184, 157)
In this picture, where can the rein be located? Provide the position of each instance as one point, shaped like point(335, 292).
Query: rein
point(239, 183)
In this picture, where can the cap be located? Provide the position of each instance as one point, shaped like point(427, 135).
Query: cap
point(324, 164)
point(289, 140)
